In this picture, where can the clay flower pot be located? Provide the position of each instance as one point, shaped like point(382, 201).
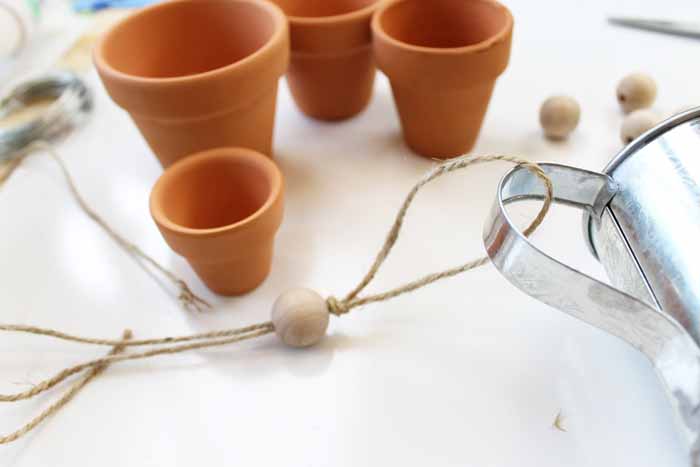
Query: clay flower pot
point(442, 58)
point(331, 73)
point(198, 74)
point(221, 209)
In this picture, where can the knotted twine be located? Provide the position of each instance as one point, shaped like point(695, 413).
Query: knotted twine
point(163, 346)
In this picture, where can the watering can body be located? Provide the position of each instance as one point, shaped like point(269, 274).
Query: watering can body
point(642, 221)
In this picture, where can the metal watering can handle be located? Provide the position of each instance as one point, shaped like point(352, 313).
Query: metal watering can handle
point(671, 350)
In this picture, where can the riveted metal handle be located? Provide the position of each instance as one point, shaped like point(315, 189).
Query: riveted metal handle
point(671, 350)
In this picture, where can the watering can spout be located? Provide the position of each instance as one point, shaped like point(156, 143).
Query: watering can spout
point(653, 301)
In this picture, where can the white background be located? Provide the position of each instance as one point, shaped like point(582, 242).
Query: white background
point(467, 372)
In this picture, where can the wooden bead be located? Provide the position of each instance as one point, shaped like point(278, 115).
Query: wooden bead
point(559, 116)
point(636, 123)
point(300, 317)
point(636, 91)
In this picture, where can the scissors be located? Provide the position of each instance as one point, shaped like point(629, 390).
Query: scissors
point(677, 28)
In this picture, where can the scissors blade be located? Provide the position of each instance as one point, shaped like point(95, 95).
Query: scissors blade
point(668, 27)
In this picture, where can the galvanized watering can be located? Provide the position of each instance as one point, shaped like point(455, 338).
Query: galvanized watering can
point(642, 221)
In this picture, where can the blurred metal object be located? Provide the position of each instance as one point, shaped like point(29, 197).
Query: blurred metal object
point(658, 214)
point(73, 101)
point(676, 28)
point(642, 221)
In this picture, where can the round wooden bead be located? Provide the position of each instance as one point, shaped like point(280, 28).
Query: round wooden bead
point(559, 116)
point(300, 317)
point(636, 91)
point(636, 123)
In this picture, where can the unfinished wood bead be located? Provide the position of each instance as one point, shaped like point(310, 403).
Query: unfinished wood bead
point(636, 123)
point(636, 91)
point(300, 317)
point(559, 116)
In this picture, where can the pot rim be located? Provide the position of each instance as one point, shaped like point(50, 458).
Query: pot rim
point(378, 30)
point(360, 14)
point(231, 153)
point(278, 37)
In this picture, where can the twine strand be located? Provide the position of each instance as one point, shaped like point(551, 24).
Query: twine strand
point(187, 298)
point(260, 330)
point(229, 336)
point(67, 397)
point(132, 343)
point(351, 300)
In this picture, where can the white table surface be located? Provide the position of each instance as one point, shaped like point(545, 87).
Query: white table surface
point(467, 372)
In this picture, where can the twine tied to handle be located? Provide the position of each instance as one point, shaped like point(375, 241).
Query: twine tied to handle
point(352, 299)
point(163, 346)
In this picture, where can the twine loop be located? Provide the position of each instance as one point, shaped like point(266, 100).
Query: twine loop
point(218, 338)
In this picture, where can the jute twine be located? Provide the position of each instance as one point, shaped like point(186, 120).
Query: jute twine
point(186, 296)
point(164, 345)
point(69, 394)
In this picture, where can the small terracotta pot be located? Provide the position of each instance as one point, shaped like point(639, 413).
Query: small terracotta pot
point(221, 209)
point(331, 74)
point(442, 58)
point(198, 74)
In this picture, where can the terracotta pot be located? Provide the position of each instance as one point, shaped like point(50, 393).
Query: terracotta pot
point(221, 209)
point(331, 74)
point(198, 74)
point(442, 58)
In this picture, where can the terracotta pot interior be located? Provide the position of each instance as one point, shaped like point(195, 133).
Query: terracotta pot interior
point(320, 8)
point(186, 38)
point(443, 23)
point(214, 193)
